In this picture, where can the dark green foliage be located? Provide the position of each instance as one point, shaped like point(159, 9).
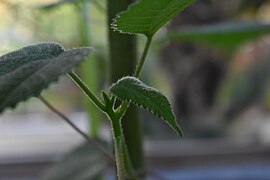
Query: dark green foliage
point(133, 90)
point(11, 61)
point(147, 16)
point(26, 72)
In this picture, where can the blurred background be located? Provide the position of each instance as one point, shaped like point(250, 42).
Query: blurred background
point(212, 61)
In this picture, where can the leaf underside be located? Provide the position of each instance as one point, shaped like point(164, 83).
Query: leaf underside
point(147, 16)
point(133, 90)
point(24, 73)
point(227, 36)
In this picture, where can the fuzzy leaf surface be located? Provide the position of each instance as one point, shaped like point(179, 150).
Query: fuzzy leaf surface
point(147, 16)
point(227, 36)
point(133, 90)
point(24, 73)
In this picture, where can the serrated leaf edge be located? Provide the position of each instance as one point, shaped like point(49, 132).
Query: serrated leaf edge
point(114, 20)
point(141, 106)
point(118, 15)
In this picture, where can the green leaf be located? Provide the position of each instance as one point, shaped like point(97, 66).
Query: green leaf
point(227, 36)
point(26, 72)
point(133, 90)
point(80, 164)
point(147, 16)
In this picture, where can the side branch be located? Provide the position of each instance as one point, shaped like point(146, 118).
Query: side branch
point(87, 91)
point(89, 140)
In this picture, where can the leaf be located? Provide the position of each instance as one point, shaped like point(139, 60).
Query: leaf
point(26, 72)
point(227, 36)
point(133, 90)
point(81, 164)
point(147, 16)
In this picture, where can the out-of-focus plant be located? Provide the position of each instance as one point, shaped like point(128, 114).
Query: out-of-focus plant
point(226, 36)
point(90, 70)
point(250, 85)
point(24, 73)
point(28, 71)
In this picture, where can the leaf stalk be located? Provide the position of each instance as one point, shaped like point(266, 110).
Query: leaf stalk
point(143, 58)
point(87, 91)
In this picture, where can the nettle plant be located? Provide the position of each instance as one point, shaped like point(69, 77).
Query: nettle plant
point(24, 73)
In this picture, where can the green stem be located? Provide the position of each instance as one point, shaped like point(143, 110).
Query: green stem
point(91, 141)
point(122, 110)
point(123, 163)
point(123, 55)
point(118, 143)
point(87, 91)
point(119, 154)
point(145, 52)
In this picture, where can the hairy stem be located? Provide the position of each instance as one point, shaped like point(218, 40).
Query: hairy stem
point(92, 142)
point(123, 57)
point(123, 108)
point(143, 58)
point(118, 143)
point(87, 91)
point(119, 154)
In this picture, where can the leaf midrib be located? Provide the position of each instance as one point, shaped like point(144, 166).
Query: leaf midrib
point(165, 20)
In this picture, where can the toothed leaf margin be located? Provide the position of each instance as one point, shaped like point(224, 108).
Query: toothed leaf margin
point(148, 16)
point(133, 90)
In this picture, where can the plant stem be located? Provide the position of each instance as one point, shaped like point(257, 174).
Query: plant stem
point(123, 109)
point(141, 62)
point(87, 91)
point(92, 142)
point(123, 58)
point(138, 70)
point(119, 154)
point(118, 144)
